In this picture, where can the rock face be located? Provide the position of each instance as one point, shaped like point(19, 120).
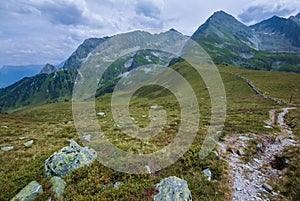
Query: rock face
point(173, 189)
point(69, 158)
point(48, 69)
point(58, 186)
point(29, 192)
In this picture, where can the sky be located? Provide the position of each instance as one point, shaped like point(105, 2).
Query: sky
point(48, 31)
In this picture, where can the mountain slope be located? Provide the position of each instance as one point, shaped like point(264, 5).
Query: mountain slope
point(279, 34)
point(48, 69)
point(40, 89)
point(228, 41)
point(75, 60)
point(57, 85)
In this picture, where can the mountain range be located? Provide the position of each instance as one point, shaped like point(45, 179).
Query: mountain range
point(273, 44)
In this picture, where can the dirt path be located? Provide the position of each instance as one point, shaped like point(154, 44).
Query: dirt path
point(250, 180)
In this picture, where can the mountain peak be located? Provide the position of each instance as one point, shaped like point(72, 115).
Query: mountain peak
point(298, 16)
point(48, 69)
point(221, 14)
point(172, 29)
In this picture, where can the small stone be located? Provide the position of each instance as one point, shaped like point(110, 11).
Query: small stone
point(216, 153)
point(269, 127)
point(29, 192)
point(259, 147)
point(7, 148)
point(117, 185)
point(267, 187)
point(156, 107)
point(6, 127)
point(28, 143)
point(58, 186)
point(240, 152)
point(148, 169)
point(86, 138)
point(69, 122)
point(101, 114)
point(238, 189)
point(245, 138)
point(23, 138)
point(207, 174)
point(144, 116)
point(105, 187)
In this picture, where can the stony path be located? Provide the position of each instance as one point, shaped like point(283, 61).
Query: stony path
point(250, 180)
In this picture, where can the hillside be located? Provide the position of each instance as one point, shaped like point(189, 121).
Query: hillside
point(40, 89)
point(246, 115)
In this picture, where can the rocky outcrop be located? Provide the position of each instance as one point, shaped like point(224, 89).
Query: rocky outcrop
point(48, 69)
point(29, 192)
point(69, 158)
point(173, 189)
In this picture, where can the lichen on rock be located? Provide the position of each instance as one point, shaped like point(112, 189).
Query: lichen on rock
point(69, 158)
point(173, 189)
point(29, 192)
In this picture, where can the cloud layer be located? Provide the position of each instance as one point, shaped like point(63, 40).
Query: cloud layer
point(48, 31)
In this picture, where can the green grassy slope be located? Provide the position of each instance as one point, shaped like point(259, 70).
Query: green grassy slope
point(46, 124)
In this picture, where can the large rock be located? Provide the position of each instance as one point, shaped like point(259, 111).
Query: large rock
point(173, 189)
point(69, 158)
point(29, 192)
point(58, 186)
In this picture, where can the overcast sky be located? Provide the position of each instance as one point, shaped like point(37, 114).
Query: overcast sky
point(39, 32)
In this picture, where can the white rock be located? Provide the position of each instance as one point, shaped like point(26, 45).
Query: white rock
point(207, 174)
point(86, 138)
point(28, 143)
point(156, 107)
point(7, 148)
point(270, 127)
point(101, 114)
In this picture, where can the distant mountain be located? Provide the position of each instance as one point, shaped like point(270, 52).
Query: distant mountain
point(269, 45)
point(48, 69)
point(11, 74)
point(53, 85)
point(279, 34)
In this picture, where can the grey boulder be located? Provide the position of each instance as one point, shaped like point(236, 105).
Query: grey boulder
point(69, 158)
point(29, 192)
point(173, 189)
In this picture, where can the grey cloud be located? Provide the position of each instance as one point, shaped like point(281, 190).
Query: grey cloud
point(147, 8)
point(62, 13)
point(259, 13)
